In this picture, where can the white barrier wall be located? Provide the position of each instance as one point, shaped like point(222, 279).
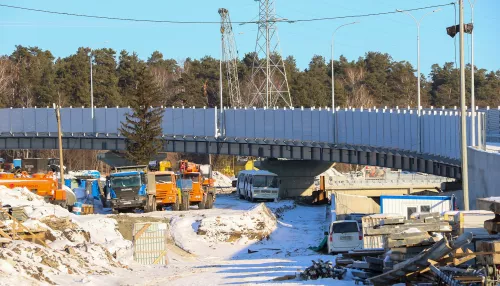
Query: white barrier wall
point(311, 125)
point(176, 121)
point(484, 177)
point(435, 133)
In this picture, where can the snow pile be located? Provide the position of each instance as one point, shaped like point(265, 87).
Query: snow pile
point(221, 180)
point(255, 224)
point(42, 264)
point(34, 205)
point(77, 245)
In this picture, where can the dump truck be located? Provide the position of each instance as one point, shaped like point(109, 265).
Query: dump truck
point(195, 189)
point(167, 193)
point(126, 189)
point(42, 184)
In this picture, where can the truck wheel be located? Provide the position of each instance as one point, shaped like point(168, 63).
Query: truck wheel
point(185, 202)
point(176, 205)
point(203, 203)
point(210, 201)
point(150, 204)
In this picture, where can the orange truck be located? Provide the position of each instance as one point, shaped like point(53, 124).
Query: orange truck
point(167, 193)
point(44, 185)
point(195, 190)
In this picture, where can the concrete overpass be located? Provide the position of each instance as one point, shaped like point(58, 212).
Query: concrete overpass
point(394, 138)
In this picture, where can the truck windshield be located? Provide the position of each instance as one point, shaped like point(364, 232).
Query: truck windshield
point(162, 179)
point(126, 181)
point(195, 177)
point(265, 181)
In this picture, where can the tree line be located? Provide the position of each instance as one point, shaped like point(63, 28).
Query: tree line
point(32, 77)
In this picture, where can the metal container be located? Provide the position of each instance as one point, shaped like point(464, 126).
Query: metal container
point(150, 243)
point(77, 208)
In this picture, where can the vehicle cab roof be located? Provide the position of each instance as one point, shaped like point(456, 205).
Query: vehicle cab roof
point(123, 174)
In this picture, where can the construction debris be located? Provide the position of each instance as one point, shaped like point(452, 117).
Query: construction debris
point(322, 269)
point(422, 250)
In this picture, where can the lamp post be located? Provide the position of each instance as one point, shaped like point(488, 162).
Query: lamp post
point(333, 69)
point(472, 96)
point(418, 51)
point(91, 89)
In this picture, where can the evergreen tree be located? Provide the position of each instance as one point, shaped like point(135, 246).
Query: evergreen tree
point(128, 71)
point(142, 128)
point(105, 78)
point(73, 78)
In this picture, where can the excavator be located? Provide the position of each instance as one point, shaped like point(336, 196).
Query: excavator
point(195, 189)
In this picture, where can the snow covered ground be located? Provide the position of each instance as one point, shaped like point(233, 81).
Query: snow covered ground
point(236, 242)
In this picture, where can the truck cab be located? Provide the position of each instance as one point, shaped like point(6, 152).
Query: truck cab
point(167, 193)
point(126, 190)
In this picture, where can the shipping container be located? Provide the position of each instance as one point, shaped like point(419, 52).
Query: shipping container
point(408, 205)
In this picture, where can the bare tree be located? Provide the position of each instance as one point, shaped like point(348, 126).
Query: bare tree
point(358, 95)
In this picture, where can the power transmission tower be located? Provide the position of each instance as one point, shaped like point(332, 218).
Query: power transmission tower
point(268, 71)
point(230, 57)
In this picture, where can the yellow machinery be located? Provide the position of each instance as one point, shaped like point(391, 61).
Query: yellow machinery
point(195, 189)
point(167, 193)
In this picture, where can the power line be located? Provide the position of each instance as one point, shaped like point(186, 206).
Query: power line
point(212, 22)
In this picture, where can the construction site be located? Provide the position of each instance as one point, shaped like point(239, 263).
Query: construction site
point(255, 191)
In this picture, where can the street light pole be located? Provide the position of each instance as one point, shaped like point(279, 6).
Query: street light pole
point(472, 96)
point(91, 89)
point(463, 115)
point(418, 51)
point(333, 69)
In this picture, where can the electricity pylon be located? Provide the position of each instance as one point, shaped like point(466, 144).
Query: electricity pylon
point(268, 70)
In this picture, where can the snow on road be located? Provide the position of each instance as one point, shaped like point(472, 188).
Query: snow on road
point(285, 252)
point(235, 243)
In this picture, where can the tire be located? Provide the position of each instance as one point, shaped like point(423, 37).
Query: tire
point(202, 204)
point(185, 201)
point(252, 200)
point(150, 204)
point(210, 201)
point(176, 206)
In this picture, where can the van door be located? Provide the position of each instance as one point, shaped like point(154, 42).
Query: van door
point(345, 235)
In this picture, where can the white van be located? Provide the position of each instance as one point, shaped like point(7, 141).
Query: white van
point(259, 184)
point(344, 235)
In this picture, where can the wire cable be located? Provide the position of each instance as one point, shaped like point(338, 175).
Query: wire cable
point(211, 22)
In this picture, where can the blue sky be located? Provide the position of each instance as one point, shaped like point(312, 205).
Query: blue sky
point(394, 34)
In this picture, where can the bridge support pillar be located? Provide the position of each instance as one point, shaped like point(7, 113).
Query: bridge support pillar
point(398, 162)
point(297, 176)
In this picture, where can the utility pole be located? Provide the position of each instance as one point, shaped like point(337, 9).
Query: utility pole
point(463, 111)
point(59, 135)
point(472, 96)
